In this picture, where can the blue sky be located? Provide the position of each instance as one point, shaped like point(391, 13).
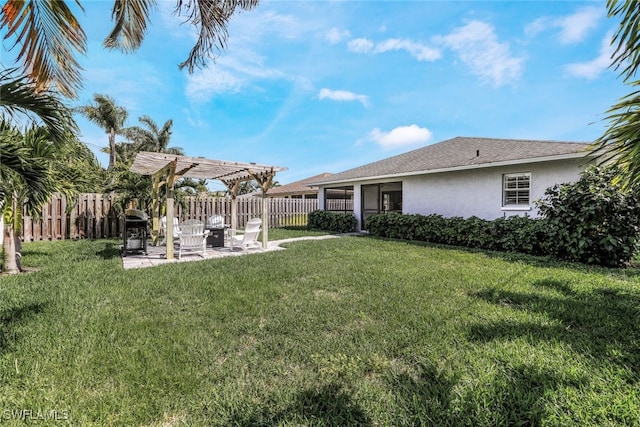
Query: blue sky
point(324, 86)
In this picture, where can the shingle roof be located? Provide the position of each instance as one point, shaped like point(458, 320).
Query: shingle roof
point(462, 153)
point(297, 187)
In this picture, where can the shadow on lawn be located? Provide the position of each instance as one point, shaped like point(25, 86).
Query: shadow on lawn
point(110, 251)
point(329, 405)
point(11, 319)
point(427, 397)
point(603, 323)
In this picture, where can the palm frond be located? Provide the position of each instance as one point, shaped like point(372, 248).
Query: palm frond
point(627, 37)
point(21, 172)
point(620, 144)
point(49, 37)
point(18, 96)
point(211, 17)
point(130, 24)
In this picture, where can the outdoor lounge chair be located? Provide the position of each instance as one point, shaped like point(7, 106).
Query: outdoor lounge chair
point(193, 237)
point(176, 230)
point(215, 221)
point(247, 239)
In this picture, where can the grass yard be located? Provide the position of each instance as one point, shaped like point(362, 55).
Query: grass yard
point(351, 331)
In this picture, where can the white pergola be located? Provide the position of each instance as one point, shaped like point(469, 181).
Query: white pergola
point(167, 168)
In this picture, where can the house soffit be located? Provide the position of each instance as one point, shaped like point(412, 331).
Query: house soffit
point(387, 177)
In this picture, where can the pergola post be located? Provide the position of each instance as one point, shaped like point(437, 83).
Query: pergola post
point(233, 191)
point(265, 181)
point(171, 178)
point(265, 221)
point(155, 209)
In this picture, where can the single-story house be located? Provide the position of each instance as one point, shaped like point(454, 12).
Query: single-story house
point(298, 189)
point(483, 177)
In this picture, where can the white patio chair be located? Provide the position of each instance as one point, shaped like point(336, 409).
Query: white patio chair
point(193, 237)
point(176, 230)
point(215, 221)
point(248, 239)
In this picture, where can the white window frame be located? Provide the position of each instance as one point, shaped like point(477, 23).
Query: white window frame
point(516, 189)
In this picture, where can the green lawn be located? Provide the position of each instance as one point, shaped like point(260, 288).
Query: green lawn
point(351, 331)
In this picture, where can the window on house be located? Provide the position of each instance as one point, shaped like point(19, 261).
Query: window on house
point(338, 199)
point(516, 189)
point(392, 201)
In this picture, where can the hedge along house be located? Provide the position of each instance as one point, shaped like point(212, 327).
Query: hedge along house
point(165, 169)
point(483, 177)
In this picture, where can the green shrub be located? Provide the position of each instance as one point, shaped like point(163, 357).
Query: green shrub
point(513, 234)
point(593, 220)
point(520, 234)
point(332, 221)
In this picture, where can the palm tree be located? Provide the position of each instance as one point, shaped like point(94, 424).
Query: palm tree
point(50, 36)
point(151, 137)
point(32, 169)
point(19, 168)
point(18, 183)
point(620, 143)
point(109, 116)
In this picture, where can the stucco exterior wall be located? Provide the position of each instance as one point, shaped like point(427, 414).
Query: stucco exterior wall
point(474, 192)
point(478, 192)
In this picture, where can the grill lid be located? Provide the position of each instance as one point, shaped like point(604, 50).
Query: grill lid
point(136, 214)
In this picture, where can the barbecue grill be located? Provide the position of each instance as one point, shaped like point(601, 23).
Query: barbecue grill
point(134, 233)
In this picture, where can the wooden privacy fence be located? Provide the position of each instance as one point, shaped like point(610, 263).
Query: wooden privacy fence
point(94, 216)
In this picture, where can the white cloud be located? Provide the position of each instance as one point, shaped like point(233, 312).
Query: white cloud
point(401, 136)
point(573, 28)
point(203, 84)
point(335, 36)
point(231, 73)
point(478, 47)
point(343, 95)
point(239, 67)
point(419, 51)
point(361, 45)
point(537, 26)
point(592, 69)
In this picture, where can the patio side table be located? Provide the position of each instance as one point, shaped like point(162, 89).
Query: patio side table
point(215, 239)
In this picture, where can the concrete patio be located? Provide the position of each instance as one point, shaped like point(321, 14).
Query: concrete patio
point(156, 254)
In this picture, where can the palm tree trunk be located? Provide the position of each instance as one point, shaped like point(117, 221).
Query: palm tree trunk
point(10, 264)
point(2, 220)
point(112, 148)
